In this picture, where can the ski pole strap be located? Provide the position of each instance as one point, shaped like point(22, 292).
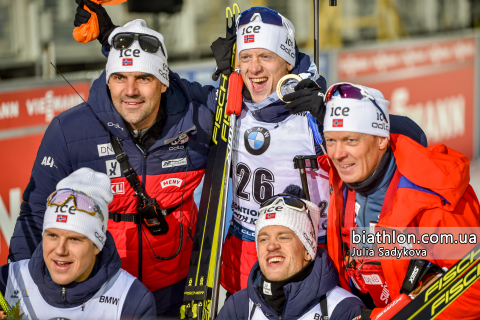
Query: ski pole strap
point(133, 217)
point(5, 306)
point(417, 269)
point(323, 307)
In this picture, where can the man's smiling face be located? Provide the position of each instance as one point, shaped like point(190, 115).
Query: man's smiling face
point(281, 254)
point(68, 255)
point(136, 96)
point(261, 71)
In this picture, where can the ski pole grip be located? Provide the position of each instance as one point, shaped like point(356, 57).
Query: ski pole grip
point(235, 98)
point(392, 308)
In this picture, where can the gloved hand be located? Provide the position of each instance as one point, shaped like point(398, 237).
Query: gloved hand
point(308, 96)
point(222, 51)
point(104, 22)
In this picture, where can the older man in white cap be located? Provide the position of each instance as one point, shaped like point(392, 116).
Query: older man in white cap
point(383, 179)
point(75, 272)
point(293, 278)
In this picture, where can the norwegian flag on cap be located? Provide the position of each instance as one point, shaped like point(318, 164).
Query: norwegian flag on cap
point(337, 123)
point(127, 62)
point(270, 215)
point(62, 218)
point(249, 38)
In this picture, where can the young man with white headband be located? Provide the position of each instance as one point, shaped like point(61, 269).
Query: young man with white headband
point(383, 179)
point(75, 272)
point(293, 278)
point(164, 135)
point(267, 136)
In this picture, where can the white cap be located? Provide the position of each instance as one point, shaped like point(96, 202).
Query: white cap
point(98, 187)
point(278, 39)
point(134, 59)
point(352, 115)
point(277, 214)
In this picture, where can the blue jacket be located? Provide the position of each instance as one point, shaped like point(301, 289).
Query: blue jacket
point(139, 303)
point(75, 139)
point(300, 297)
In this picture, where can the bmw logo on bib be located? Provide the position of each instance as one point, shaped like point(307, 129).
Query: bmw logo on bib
point(257, 140)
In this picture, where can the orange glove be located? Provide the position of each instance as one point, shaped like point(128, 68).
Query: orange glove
point(91, 30)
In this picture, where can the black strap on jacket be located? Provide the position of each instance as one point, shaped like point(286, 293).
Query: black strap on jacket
point(128, 171)
point(323, 307)
point(132, 217)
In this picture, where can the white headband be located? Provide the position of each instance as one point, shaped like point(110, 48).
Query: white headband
point(257, 34)
point(362, 116)
point(277, 214)
point(134, 59)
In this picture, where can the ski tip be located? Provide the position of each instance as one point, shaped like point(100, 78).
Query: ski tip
point(236, 6)
point(229, 10)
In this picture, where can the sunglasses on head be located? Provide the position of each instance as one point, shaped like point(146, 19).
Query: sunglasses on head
point(288, 201)
point(81, 201)
point(148, 43)
point(267, 15)
point(350, 91)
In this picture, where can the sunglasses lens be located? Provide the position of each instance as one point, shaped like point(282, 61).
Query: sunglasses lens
point(344, 90)
point(269, 202)
point(123, 40)
point(293, 202)
point(82, 201)
point(149, 44)
point(268, 16)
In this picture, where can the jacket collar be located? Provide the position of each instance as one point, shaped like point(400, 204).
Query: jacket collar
point(107, 265)
point(175, 101)
point(299, 296)
point(439, 169)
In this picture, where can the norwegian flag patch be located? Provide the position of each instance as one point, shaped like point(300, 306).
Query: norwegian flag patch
point(249, 38)
point(127, 62)
point(62, 218)
point(337, 123)
point(270, 215)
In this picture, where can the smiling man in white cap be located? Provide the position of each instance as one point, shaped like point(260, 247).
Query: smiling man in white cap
point(75, 272)
point(293, 278)
point(387, 179)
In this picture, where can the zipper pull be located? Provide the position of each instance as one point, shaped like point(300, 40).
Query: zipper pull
point(63, 294)
point(83, 306)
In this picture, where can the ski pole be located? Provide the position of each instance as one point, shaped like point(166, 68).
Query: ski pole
point(300, 164)
point(5, 306)
point(316, 7)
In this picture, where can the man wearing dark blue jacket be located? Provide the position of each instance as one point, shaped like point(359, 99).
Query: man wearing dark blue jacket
point(144, 106)
point(293, 278)
point(75, 272)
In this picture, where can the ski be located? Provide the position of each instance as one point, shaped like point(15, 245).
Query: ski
point(446, 289)
point(203, 281)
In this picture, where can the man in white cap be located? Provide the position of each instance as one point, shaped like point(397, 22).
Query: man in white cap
point(75, 272)
point(382, 179)
point(293, 278)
